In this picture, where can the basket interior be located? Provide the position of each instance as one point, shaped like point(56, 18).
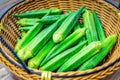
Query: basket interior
point(106, 13)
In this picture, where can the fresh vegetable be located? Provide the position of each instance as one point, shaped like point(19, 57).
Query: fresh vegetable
point(38, 13)
point(99, 28)
point(86, 24)
point(28, 36)
point(67, 25)
point(51, 18)
point(35, 61)
point(107, 44)
point(25, 28)
point(77, 26)
point(93, 28)
point(89, 23)
point(17, 40)
point(45, 20)
point(28, 21)
point(38, 42)
point(80, 57)
point(81, 25)
point(67, 43)
point(57, 42)
point(58, 60)
point(23, 33)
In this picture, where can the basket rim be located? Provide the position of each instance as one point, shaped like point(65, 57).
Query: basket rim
point(84, 72)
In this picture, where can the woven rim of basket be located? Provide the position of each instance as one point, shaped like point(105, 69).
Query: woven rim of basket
point(109, 68)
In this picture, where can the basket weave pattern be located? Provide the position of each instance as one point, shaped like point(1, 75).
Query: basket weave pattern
point(106, 13)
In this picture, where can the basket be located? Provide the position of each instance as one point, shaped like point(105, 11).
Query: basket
point(8, 35)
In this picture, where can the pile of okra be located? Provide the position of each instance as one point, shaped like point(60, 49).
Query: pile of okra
point(55, 41)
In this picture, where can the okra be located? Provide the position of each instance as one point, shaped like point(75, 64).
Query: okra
point(80, 57)
point(67, 25)
point(51, 18)
point(98, 25)
point(91, 33)
point(17, 40)
point(38, 13)
point(28, 36)
point(93, 27)
point(45, 20)
point(82, 25)
point(38, 42)
point(71, 40)
point(36, 60)
point(28, 21)
point(107, 44)
point(77, 26)
point(86, 24)
point(25, 28)
point(57, 61)
point(23, 33)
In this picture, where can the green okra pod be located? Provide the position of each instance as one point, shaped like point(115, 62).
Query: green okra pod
point(107, 44)
point(67, 25)
point(58, 60)
point(65, 44)
point(36, 60)
point(80, 57)
point(98, 25)
point(38, 13)
point(38, 42)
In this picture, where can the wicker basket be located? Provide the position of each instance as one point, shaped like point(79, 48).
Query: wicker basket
point(108, 16)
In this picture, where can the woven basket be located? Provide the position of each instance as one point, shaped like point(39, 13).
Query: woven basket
point(109, 19)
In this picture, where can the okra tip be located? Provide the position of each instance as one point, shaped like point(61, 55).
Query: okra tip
point(31, 64)
point(28, 54)
point(17, 48)
point(98, 43)
point(15, 15)
point(20, 54)
point(21, 22)
point(83, 6)
point(82, 30)
point(57, 9)
point(93, 11)
point(115, 36)
point(57, 37)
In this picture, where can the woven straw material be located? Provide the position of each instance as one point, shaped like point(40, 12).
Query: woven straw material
point(106, 12)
